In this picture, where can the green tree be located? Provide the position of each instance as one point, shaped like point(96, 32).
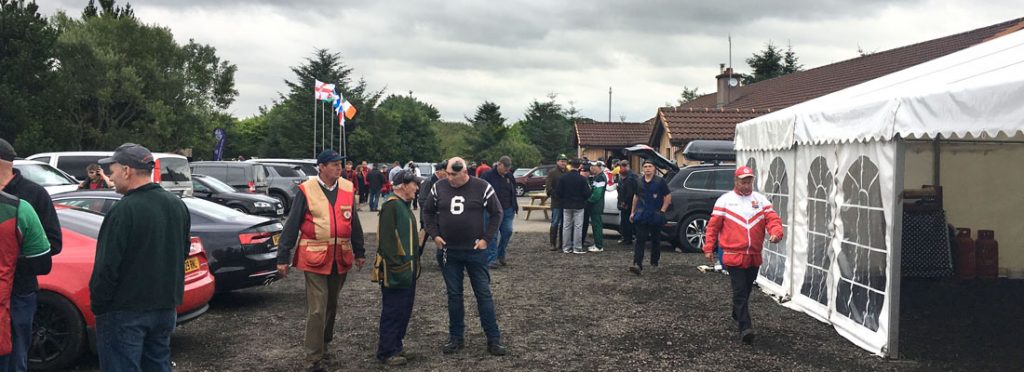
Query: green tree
point(547, 128)
point(770, 63)
point(414, 121)
point(514, 144)
point(688, 95)
point(453, 139)
point(290, 120)
point(125, 81)
point(488, 128)
point(26, 43)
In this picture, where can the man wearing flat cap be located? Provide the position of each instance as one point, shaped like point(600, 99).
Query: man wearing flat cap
point(137, 278)
point(323, 230)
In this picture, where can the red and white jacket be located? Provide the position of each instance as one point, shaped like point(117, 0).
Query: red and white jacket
point(738, 225)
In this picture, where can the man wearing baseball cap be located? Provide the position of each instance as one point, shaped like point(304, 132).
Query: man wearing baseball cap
point(137, 277)
point(739, 223)
point(324, 231)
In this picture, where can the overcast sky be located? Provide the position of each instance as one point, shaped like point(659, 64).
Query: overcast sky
point(457, 54)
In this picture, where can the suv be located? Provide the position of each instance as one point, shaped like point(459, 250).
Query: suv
point(533, 180)
point(243, 176)
point(694, 190)
point(283, 182)
point(50, 178)
point(170, 171)
point(307, 166)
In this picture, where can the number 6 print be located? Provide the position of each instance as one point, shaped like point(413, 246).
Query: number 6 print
point(458, 205)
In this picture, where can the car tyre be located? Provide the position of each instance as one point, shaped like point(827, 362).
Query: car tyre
point(58, 333)
point(281, 198)
point(520, 189)
point(691, 232)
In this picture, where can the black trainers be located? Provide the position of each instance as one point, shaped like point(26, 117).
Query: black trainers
point(747, 336)
point(496, 348)
point(635, 270)
point(453, 345)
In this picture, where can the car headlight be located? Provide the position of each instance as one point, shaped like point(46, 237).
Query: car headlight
point(262, 205)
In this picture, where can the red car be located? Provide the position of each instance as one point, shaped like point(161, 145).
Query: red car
point(64, 324)
point(533, 180)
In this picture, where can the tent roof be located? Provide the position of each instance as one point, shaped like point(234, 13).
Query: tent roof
point(977, 92)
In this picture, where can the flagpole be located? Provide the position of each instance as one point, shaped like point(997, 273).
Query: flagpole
point(344, 140)
point(323, 119)
point(314, 126)
point(332, 126)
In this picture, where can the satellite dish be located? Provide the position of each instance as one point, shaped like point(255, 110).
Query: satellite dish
point(733, 82)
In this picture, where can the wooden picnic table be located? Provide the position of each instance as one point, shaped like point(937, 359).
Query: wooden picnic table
point(538, 202)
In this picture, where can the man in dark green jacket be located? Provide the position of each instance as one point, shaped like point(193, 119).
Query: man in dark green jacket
point(397, 266)
point(138, 277)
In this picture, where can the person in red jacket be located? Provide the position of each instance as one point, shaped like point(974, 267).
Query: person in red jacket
point(738, 225)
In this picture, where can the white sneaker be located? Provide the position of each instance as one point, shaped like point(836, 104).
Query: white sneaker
point(579, 251)
point(594, 248)
point(718, 267)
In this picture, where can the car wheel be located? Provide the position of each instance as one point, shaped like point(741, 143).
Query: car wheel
point(281, 198)
point(691, 232)
point(520, 189)
point(58, 333)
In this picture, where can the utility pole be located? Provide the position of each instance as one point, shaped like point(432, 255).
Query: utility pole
point(609, 104)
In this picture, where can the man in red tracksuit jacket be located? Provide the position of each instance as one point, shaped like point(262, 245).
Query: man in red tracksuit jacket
point(738, 225)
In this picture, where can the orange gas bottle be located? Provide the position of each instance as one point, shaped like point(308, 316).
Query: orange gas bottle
point(988, 254)
point(966, 262)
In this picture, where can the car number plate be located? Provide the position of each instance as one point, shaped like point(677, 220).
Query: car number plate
point(191, 264)
point(276, 239)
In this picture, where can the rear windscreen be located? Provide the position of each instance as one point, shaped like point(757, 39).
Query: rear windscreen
point(174, 170)
point(75, 164)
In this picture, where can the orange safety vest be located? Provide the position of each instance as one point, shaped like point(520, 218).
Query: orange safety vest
point(325, 230)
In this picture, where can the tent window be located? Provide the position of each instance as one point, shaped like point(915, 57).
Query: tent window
point(753, 166)
point(819, 231)
point(862, 259)
point(776, 188)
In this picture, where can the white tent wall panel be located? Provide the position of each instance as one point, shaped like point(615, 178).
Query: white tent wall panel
point(981, 188)
point(840, 235)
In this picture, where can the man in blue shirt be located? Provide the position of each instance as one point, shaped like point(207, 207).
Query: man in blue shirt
point(649, 206)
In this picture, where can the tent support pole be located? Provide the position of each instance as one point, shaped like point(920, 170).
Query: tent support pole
point(896, 279)
point(936, 162)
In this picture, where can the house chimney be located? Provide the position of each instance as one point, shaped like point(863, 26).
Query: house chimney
point(724, 89)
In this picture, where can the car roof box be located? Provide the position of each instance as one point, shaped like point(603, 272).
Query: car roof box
point(710, 151)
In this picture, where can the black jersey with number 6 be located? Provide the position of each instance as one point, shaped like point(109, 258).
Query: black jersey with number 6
point(457, 214)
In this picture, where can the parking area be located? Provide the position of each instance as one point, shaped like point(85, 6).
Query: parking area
point(569, 312)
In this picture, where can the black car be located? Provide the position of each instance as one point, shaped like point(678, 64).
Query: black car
point(212, 189)
point(241, 248)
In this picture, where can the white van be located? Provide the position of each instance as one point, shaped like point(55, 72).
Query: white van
point(171, 170)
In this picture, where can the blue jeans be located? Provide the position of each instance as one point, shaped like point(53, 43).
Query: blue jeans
point(23, 308)
point(499, 243)
point(556, 217)
point(374, 197)
point(135, 340)
point(473, 262)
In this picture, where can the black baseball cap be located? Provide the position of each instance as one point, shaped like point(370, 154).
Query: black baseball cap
point(440, 166)
point(7, 152)
point(405, 176)
point(132, 155)
point(328, 156)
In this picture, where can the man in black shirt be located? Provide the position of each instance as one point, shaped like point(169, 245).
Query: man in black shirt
point(504, 184)
point(454, 216)
point(376, 180)
point(628, 183)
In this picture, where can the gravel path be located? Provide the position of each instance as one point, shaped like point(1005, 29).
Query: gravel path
point(557, 312)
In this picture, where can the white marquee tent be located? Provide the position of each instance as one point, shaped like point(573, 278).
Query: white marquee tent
point(835, 169)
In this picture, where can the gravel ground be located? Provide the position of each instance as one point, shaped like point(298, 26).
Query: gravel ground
point(568, 312)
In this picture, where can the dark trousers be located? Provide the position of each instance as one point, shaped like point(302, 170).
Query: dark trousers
point(374, 197)
point(364, 194)
point(742, 283)
point(23, 308)
point(474, 263)
point(135, 340)
point(625, 226)
point(395, 312)
point(644, 234)
point(586, 224)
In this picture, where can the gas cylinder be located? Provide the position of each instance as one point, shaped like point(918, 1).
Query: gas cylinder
point(966, 263)
point(987, 254)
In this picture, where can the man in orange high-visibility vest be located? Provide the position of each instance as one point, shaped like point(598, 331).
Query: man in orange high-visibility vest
point(323, 228)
